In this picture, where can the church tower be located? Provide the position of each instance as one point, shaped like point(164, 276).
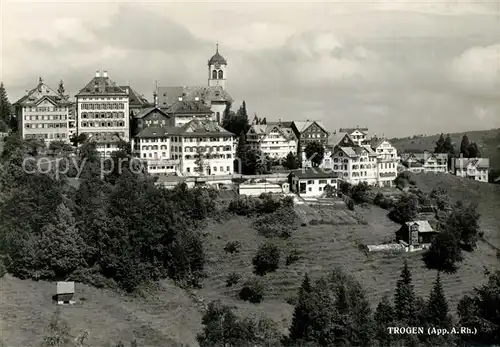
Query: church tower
point(217, 70)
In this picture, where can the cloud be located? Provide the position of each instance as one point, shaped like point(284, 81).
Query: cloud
point(477, 70)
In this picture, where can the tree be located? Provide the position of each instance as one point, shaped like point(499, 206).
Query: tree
point(464, 222)
point(267, 259)
point(481, 311)
point(384, 317)
point(60, 148)
point(448, 146)
point(436, 311)
point(473, 151)
point(440, 145)
point(464, 146)
point(405, 209)
point(333, 312)
point(404, 298)
point(264, 121)
point(315, 152)
point(5, 106)
point(60, 90)
point(444, 252)
point(291, 162)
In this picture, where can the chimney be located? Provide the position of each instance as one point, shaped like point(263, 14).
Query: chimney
point(105, 74)
point(97, 74)
point(180, 98)
point(126, 90)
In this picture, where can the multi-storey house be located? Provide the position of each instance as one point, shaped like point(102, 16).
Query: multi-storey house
point(358, 135)
point(43, 114)
point(387, 161)
point(273, 139)
point(103, 113)
point(184, 111)
point(151, 116)
point(354, 164)
point(425, 162)
point(198, 148)
point(473, 168)
point(307, 132)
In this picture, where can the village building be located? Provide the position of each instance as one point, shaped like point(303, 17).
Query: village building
point(214, 96)
point(103, 113)
point(425, 162)
point(307, 132)
point(151, 116)
point(358, 135)
point(184, 111)
point(473, 168)
point(43, 114)
point(273, 139)
point(198, 148)
point(387, 161)
point(311, 182)
point(416, 234)
point(65, 293)
point(254, 187)
point(354, 164)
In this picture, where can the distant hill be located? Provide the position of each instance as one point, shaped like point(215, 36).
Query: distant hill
point(487, 140)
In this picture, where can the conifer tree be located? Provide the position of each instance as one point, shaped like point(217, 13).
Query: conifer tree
point(464, 146)
point(5, 107)
point(60, 89)
point(384, 316)
point(301, 314)
point(404, 299)
point(440, 145)
point(436, 312)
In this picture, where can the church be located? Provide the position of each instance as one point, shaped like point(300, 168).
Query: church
point(214, 95)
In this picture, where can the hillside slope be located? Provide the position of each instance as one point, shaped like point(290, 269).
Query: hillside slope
point(487, 140)
point(486, 195)
point(166, 318)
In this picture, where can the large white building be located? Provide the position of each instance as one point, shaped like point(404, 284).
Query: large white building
point(312, 182)
point(198, 148)
point(103, 113)
point(43, 114)
point(387, 161)
point(473, 168)
point(355, 164)
point(274, 140)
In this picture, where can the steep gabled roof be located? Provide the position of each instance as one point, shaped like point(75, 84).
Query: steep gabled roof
point(155, 131)
point(480, 163)
point(145, 111)
point(340, 138)
point(302, 126)
point(197, 127)
point(189, 107)
point(135, 99)
point(102, 86)
point(375, 142)
point(423, 226)
point(40, 91)
point(167, 96)
point(265, 129)
point(351, 130)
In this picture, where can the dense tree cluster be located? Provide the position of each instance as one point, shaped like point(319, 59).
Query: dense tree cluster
point(469, 149)
point(121, 227)
point(315, 152)
point(7, 120)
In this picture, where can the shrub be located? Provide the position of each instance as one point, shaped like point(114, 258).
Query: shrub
point(232, 247)
point(359, 192)
point(292, 257)
point(267, 259)
point(93, 277)
point(382, 201)
point(345, 188)
point(281, 223)
point(270, 203)
point(350, 204)
point(253, 291)
point(244, 205)
point(444, 253)
point(3, 269)
point(232, 279)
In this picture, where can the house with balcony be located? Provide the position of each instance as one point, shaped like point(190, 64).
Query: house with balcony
point(358, 135)
point(355, 164)
point(311, 182)
point(425, 162)
point(473, 168)
point(273, 139)
point(387, 161)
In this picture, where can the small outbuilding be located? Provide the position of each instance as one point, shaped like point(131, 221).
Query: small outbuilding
point(65, 293)
point(418, 234)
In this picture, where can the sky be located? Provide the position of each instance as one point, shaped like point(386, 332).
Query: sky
point(396, 67)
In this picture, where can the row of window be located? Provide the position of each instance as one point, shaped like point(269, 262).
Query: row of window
point(103, 106)
point(188, 149)
point(45, 109)
point(45, 125)
point(106, 115)
point(103, 124)
point(105, 135)
point(46, 136)
point(320, 181)
point(187, 139)
point(209, 170)
point(156, 155)
point(219, 75)
point(101, 98)
point(47, 117)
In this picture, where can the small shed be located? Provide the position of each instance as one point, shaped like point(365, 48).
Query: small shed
point(417, 233)
point(65, 293)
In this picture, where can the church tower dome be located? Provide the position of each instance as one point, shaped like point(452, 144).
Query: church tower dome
point(217, 70)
